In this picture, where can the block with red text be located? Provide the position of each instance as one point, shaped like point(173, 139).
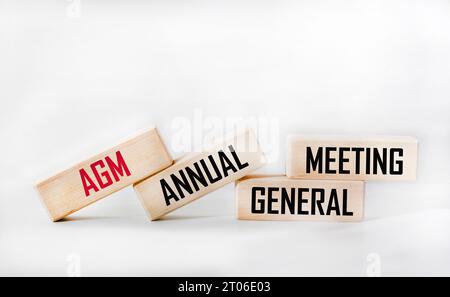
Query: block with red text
point(200, 173)
point(344, 158)
point(104, 174)
point(273, 198)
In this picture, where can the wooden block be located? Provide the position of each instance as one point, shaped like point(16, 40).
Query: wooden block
point(198, 174)
point(104, 174)
point(273, 198)
point(339, 158)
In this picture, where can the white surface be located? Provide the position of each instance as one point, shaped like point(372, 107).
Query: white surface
point(72, 86)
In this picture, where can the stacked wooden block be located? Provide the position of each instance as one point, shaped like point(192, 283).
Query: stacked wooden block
point(324, 180)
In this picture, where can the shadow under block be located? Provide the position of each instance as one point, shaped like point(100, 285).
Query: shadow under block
point(104, 174)
point(340, 158)
point(279, 198)
point(198, 174)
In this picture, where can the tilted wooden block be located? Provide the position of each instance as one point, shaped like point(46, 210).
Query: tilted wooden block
point(275, 198)
point(104, 174)
point(339, 158)
point(198, 174)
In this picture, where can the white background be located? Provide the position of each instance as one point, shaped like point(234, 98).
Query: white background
point(71, 85)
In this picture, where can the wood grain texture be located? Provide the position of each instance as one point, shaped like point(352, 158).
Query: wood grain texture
point(278, 198)
point(198, 174)
point(104, 174)
point(343, 158)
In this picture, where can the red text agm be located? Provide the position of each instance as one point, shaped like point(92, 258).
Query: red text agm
point(102, 175)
